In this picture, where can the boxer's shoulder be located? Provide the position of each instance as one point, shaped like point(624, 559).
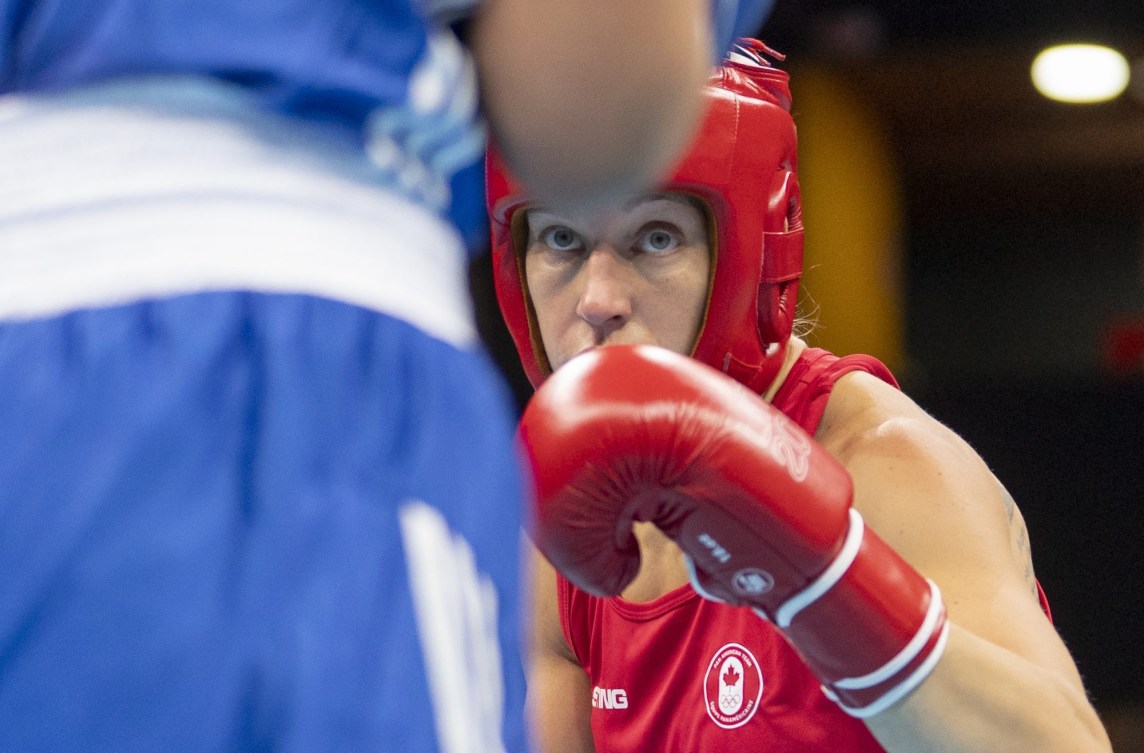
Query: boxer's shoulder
point(863, 410)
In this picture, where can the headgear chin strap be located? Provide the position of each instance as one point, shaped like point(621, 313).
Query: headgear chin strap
point(742, 165)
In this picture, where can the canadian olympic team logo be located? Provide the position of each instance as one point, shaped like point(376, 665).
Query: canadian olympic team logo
point(732, 687)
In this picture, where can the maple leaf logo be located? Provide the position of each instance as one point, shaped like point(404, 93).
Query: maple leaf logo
point(731, 677)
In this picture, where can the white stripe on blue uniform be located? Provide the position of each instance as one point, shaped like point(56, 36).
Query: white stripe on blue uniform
point(462, 655)
point(219, 195)
point(437, 132)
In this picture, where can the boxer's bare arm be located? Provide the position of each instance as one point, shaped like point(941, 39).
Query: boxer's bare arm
point(559, 704)
point(591, 99)
point(1006, 680)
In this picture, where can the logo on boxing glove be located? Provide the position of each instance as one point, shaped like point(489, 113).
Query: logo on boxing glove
point(748, 582)
point(751, 581)
point(784, 441)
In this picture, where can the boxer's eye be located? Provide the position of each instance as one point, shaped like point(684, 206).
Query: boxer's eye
point(560, 238)
point(658, 241)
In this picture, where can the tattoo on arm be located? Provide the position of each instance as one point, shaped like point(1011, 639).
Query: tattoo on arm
point(1019, 537)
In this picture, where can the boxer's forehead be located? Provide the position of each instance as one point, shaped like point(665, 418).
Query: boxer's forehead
point(670, 205)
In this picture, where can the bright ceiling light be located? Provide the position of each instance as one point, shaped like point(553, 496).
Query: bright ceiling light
point(1080, 73)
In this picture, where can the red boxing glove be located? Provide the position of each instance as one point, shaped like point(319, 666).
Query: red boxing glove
point(624, 434)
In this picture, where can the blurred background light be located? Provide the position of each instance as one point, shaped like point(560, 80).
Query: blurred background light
point(1080, 73)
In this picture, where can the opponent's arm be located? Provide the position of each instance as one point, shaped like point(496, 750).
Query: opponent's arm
point(589, 100)
point(1006, 681)
point(559, 702)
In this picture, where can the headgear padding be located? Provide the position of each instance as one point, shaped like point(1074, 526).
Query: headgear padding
point(743, 167)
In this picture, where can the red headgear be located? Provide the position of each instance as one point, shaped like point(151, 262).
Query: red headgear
point(742, 166)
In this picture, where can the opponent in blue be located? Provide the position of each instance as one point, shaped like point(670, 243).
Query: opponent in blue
point(257, 489)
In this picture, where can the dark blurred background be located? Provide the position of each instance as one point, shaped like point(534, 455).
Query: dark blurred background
point(1007, 230)
point(988, 243)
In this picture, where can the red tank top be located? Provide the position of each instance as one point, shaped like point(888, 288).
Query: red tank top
point(682, 674)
